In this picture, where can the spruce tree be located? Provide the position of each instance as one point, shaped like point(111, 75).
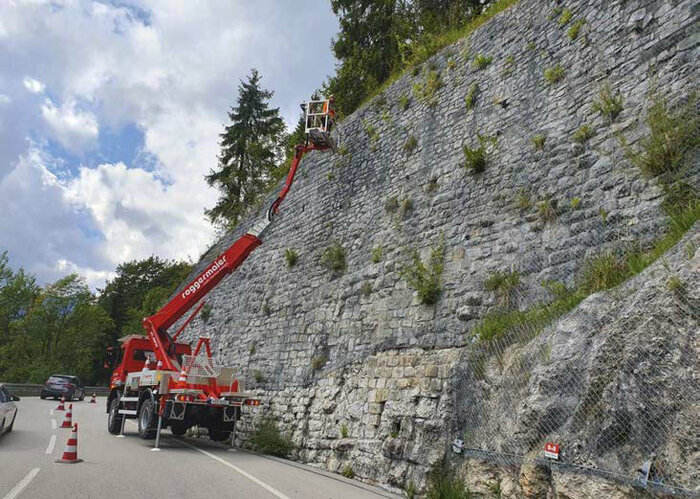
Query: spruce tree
point(251, 147)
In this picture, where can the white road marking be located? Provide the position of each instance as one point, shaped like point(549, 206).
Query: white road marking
point(51, 412)
point(53, 424)
point(52, 443)
point(22, 484)
point(235, 468)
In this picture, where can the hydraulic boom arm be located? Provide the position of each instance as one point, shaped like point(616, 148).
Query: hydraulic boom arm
point(157, 325)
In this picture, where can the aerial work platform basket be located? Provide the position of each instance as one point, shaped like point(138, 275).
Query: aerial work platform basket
point(320, 119)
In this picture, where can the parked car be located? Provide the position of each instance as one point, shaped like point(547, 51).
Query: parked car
point(8, 410)
point(63, 385)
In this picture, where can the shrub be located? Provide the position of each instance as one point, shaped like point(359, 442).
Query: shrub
point(391, 204)
point(675, 285)
point(443, 483)
point(554, 13)
point(366, 288)
point(470, 99)
point(508, 66)
point(575, 28)
point(253, 349)
point(266, 308)
point(503, 284)
point(538, 141)
point(531, 45)
point(575, 203)
point(410, 490)
point(333, 258)
point(482, 61)
point(672, 140)
point(554, 74)
point(205, 313)
point(258, 376)
point(318, 361)
point(566, 16)
point(583, 134)
point(291, 257)
point(557, 289)
point(451, 64)
point(425, 279)
point(377, 254)
point(547, 210)
point(475, 159)
point(406, 206)
point(344, 431)
point(371, 131)
point(678, 196)
point(348, 472)
point(523, 200)
point(404, 102)
point(431, 185)
point(426, 91)
point(267, 440)
point(602, 272)
point(410, 144)
point(609, 105)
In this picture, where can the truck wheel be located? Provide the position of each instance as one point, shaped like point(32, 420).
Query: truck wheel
point(218, 435)
point(178, 430)
point(147, 420)
point(114, 420)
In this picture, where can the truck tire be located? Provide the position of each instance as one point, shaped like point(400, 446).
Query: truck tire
point(218, 435)
point(114, 420)
point(178, 430)
point(147, 419)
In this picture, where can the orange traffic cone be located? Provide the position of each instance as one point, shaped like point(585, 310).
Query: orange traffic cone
point(70, 453)
point(92, 400)
point(68, 421)
point(61, 406)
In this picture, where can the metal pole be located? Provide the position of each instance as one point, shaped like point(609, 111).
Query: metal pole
point(121, 432)
point(160, 425)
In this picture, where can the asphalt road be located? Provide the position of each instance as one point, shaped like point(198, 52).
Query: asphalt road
point(127, 468)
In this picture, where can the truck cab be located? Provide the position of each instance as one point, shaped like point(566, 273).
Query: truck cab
point(131, 357)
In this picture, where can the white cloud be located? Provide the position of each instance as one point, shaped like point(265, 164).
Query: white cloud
point(34, 86)
point(174, 76)
point(75, 130)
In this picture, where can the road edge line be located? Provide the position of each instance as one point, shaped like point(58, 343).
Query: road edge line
point(52, 444)
point(250, 477)
point(17, 490)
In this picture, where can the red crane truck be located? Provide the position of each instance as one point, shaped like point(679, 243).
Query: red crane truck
point(164, 383)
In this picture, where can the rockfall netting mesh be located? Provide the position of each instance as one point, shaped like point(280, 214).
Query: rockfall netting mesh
point(601, 362)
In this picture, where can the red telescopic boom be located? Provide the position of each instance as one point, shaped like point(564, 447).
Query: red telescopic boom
point(157, 325)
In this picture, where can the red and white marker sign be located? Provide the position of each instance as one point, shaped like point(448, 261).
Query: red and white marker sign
point(551, 451)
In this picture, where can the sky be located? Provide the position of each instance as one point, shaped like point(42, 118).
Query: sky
point(110, 115)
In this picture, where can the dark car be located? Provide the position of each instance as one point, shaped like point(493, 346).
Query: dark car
point(62, 385)
point(8, 410)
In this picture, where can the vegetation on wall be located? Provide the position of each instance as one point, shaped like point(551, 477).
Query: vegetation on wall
point(607, 103)
point(268, 440)
point(333, 258)
point(425, 278)
point(673, 137)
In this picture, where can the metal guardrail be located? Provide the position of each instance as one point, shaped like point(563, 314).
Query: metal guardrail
point(33, 390)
